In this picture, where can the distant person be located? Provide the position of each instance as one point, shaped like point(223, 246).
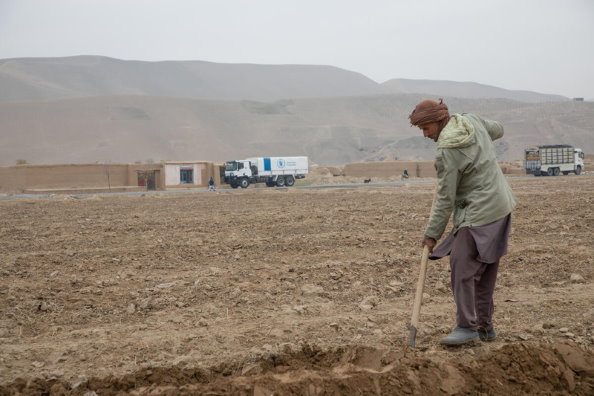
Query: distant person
point(472, 186)
point(211, 184)
point(405, 174)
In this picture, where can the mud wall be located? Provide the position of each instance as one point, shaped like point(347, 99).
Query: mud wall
point(415, 169)
point(27, 177)
point(214, 170)
point(390, 169)
point(11, 179)
point(512, 169)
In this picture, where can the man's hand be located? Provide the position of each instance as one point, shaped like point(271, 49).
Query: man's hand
point(429, 242)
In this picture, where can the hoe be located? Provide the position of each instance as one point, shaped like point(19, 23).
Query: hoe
point(414, 322)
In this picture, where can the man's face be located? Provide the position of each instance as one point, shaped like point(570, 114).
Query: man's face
point(430, 130)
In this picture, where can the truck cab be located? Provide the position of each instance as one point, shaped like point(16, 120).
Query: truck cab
point(238, 168)
point(579, 156)
point(238, 173)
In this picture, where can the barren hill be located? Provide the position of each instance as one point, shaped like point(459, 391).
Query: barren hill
point(93, 108)
point(30, 79)
point(442, 88)
point(331, 131)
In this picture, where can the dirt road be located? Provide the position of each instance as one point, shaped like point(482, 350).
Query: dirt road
point(285, 291)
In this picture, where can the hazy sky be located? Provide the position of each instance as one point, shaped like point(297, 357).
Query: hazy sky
point(538, 45)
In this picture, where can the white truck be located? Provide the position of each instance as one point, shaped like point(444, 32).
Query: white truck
point(274, 171)
point(553, 159)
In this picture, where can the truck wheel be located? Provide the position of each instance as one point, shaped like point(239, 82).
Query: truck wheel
point(280, 182)
point(556, 171)
point(550, 171)
point(566, 173)
point(578, 170)
point(244, 183)
point(289, 181)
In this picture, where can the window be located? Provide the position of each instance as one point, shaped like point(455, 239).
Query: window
point(186, 176)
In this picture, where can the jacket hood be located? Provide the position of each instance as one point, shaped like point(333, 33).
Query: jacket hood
point(459, 132)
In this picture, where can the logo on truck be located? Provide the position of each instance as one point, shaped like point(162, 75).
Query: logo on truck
point(280, 163)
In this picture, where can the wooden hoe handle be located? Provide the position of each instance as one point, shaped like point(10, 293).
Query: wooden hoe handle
point(414, 322)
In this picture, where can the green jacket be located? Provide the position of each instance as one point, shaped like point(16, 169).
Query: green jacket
point(470, 181)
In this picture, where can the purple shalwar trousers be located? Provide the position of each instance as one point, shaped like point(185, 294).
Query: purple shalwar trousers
point(474, 260)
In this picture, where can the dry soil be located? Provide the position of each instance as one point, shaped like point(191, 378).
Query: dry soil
point(285, 291)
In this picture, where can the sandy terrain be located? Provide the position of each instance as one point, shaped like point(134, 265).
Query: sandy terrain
point(298, 291)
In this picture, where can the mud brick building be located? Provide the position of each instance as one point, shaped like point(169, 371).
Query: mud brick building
point(107, 177)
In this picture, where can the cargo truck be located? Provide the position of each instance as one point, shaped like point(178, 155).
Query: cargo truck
point(553, 159)
point(274, 171)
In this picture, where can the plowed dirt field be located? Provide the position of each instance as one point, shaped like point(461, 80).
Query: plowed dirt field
point(285, 292)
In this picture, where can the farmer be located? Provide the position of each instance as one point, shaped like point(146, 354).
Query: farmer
point(472, 186)
point(211, 184)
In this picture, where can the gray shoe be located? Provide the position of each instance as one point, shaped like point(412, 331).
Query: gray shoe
point(460, 336)
point(487, 335)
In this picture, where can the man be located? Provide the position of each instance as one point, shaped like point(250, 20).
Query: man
point(472, 186)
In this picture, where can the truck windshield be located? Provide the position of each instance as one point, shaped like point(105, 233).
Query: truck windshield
point(532, 155)
point(231, 166)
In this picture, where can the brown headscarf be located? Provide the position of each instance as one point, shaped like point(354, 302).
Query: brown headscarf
point(429, 111)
